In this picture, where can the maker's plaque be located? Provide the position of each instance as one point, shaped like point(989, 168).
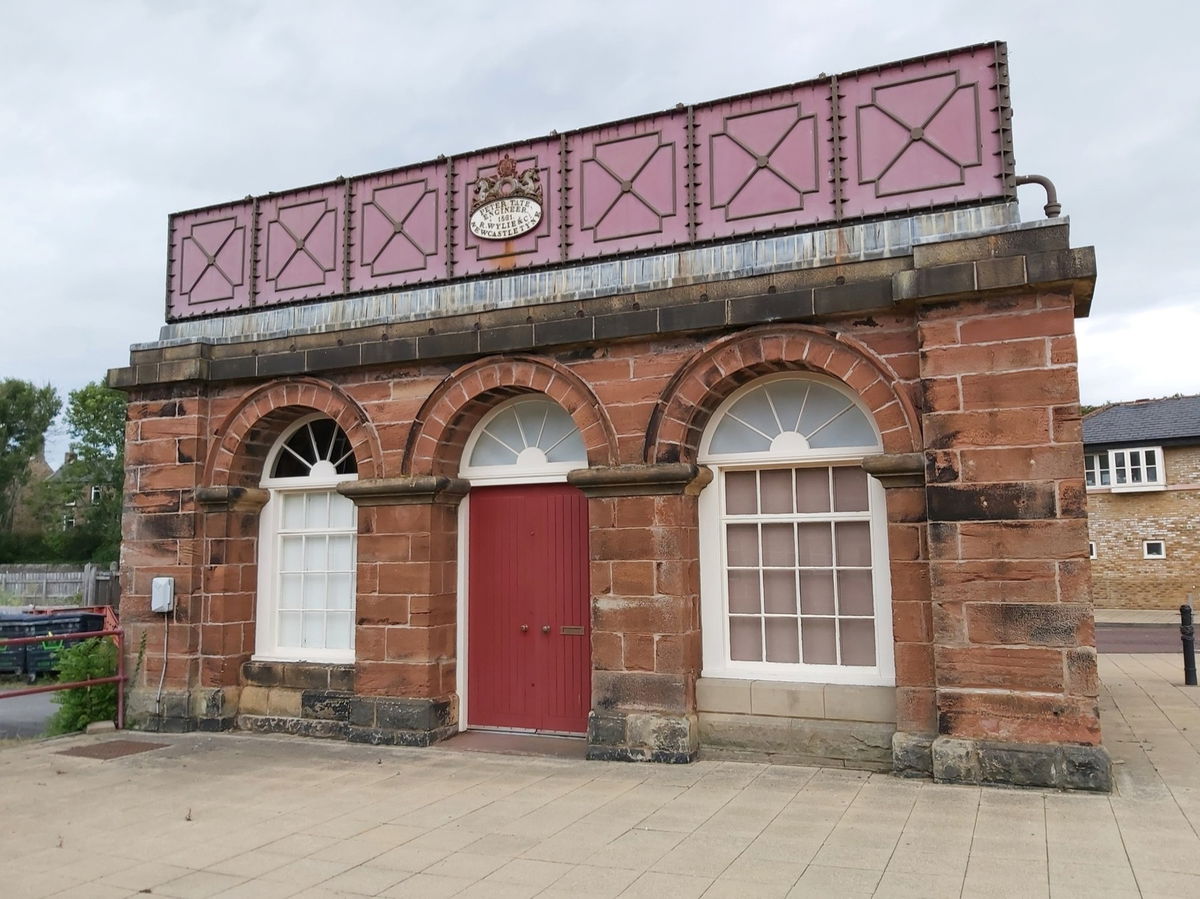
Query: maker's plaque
point(507, 204)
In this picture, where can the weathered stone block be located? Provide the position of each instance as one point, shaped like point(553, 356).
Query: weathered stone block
point(991, 502)
point(304, 727)
point(858, 703)
point(642, 737)
point(855, 743)
point(714, 694)
point(639, 691)
point(912, 755)
point(327, 704)
point(662, 733)
point(1087, 768)
point(785, 700)
point(254, 700)
point(306, 676)
point(284, 702)
point(1065, 766)
point(606, 730)
point(262, 674)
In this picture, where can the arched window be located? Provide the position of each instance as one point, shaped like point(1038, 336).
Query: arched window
point(794, 567)
point(306, 553)
point(530, 438)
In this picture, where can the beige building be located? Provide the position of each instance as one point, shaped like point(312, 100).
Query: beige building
point(1143, 498)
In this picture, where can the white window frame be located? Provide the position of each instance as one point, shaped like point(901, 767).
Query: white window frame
point(1091, 549)
point(1146, 554)
point(714, 602)
point(518, 472)
point(95, 494)
point(1121, 465)
point(270, 530)
point(1097, 473)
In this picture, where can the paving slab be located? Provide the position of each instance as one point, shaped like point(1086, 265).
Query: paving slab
point(234, 815)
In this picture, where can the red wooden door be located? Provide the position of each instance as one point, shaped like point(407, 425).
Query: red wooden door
point(528, 629)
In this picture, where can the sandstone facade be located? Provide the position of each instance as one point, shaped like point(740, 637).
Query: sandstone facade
point(962, 354)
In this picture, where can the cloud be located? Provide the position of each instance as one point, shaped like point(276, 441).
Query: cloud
point(1122, 355)
point(116, 114)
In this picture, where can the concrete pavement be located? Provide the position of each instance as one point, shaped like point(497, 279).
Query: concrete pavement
point(236, 815)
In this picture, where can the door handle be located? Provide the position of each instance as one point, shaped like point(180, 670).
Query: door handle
point(524, 628)
point(545, 628)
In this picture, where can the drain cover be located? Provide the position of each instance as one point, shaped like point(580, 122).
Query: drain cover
point(113, 749)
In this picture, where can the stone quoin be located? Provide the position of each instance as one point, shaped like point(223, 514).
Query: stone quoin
point(762, 439)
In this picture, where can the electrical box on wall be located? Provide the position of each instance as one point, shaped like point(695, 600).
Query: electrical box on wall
point(162, 594)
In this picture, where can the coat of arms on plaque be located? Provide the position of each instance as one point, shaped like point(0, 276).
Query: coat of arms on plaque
point(506, 204)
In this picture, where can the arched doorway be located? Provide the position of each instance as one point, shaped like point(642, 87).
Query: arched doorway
point(524, 579)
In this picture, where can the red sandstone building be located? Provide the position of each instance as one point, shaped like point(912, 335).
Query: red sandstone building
point(745, 427)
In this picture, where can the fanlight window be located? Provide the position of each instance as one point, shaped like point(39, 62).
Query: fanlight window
point(534, 433)
point(315, 449)
point(790, 416)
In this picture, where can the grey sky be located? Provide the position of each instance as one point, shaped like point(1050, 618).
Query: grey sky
point(117, 113)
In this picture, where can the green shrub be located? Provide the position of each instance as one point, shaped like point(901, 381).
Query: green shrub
point(79, 707)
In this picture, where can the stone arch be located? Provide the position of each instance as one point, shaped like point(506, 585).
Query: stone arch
point(446, 419)
point(245, 436)
point(702, 384)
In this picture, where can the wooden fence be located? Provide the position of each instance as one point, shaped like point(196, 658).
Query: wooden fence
point(59, 585)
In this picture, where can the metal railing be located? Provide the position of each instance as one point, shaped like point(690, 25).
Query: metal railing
point(112, 628)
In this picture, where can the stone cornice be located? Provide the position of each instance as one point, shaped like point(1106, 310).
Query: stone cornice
point(1016, 259)
point(896, 469)
point(405, 491)
point(232, 499)
point(666, 479)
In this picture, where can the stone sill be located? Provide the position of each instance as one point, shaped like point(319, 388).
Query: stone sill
point(836, 702)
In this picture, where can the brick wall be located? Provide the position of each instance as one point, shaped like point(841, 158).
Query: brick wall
point(413, 421)
point(1013, 632)
point(1118, 523)
point(963, 355)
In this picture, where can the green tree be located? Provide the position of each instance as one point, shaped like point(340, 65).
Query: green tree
point(92, 478)
point(26, 411)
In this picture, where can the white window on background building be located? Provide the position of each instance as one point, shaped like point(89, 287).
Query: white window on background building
point(1130, 469)
point(1091, 549)
point(95, 495)
point(308, 533)
point(1154, 549)
point(1096, 473)
point(794, 562)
